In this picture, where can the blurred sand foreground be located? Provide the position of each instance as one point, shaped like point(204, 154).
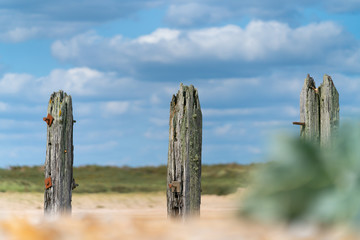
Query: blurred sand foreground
point(141, 216)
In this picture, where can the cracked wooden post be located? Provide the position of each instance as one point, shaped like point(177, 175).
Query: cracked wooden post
point(319, 111)
point(184, 155)
point(59, 180)
point(329, 111)
point(310, 111)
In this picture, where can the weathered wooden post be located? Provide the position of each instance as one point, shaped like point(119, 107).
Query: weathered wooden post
point(329, 111)
point(184, 156)
point(319, 111)
point(310, 111)
point(59, 181)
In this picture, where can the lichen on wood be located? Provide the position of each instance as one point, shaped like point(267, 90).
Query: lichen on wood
point(59, 155)
point(184, 155)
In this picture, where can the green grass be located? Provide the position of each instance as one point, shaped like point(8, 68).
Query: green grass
point(216, 179)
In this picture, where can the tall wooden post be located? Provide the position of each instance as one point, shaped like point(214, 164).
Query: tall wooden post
point(310, 111)
point(59, 180)
point(319, 111)
point(329, 111)
point(184, 156)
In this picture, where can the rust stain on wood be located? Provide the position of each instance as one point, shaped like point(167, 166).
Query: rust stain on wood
point(48, 183)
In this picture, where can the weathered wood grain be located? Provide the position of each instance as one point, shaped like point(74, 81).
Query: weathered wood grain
point(319, 110)
point(184, 155)
point(329, 111)
point(310, 111)
point(59, 155)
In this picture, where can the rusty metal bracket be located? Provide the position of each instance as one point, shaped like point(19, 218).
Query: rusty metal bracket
point(299, 123)
point(175, 186)
point(48, 183)
point(49, 119)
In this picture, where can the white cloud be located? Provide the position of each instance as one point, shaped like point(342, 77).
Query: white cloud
point(259, 42)
point(73, 47)
point(95, 94)
point(19, 34)
point(79, 81)
point(83, 82)
point(160, 35)
point(264, 40)
point(12, 83)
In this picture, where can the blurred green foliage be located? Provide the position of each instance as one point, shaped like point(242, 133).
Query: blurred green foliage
point(216, 179)
point(305, 183)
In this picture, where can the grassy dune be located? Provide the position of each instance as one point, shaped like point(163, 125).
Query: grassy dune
point(216, 179)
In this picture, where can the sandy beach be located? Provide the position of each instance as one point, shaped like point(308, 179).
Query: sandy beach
point(142, 216)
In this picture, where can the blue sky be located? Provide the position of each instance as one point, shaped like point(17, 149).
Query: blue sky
point(121, 61)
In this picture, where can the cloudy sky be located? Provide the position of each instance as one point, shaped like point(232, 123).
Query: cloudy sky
point(121, 61)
